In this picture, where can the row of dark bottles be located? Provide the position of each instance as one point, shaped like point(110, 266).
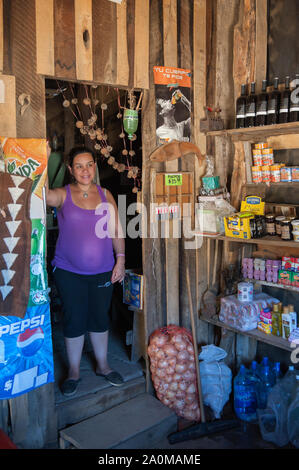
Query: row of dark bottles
point(267, 108)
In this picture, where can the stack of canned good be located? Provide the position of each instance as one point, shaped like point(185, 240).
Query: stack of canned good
point(265, 170)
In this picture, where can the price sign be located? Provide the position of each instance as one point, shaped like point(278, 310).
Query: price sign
point(173, 179)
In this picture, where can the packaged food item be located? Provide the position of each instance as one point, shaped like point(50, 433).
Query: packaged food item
point(253, 204)
point(245, 292)
point(238, 225)
point(295, 173)
point(268, 157)
point(286, 322)
point(270, 224)
point(285, 277)
point(265, 322)
point(286, 229)
point(257, 157)
point(295, 281)
point(266, 174)
point(295, 225)
point(275, 173)
point(261, 145)
point(257, 174)
point(286, 174)
point(287, 263)
point(295, 236)
point(278, 221)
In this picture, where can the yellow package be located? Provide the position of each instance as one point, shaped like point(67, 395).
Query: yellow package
point(238, 225)
point(253, 204)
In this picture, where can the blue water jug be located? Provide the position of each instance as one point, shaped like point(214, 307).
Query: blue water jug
point(245, 399)
point(265, 385)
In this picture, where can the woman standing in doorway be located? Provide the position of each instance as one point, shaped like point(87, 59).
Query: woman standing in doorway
point(85, 267)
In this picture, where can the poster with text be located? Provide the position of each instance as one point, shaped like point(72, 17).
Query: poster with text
point(26, 355)
point(173, 104)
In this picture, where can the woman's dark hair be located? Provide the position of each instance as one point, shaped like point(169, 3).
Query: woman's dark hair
point(77, 151)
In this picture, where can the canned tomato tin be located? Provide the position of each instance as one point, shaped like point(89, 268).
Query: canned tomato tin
point(286, 174)
point(257, 174)
point(295, 173)
point(257, 159)
point(278, 221)
point(266, 174)
point(268, 157)
point(275, 173)
point(261, 145)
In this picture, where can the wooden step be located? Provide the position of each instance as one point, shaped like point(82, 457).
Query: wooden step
point(140, 423)
point(80, 407)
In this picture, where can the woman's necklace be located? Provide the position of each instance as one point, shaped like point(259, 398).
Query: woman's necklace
point(85, 193)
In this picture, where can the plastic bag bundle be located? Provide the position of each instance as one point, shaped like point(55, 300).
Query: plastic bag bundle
point(172, 365)
point(216, 378)
point(244, 315)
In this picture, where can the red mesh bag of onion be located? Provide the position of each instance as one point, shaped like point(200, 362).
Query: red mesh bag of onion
point(172, 365)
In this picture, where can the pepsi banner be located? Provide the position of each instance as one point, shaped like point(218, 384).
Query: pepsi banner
point(26, 354)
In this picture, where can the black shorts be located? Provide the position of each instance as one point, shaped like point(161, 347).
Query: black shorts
point(86, 301)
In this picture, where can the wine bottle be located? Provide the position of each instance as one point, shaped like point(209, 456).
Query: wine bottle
point(261, 106)
point(294, 101)
point(284, 107)
point(273, 104)
point(251, 107)
point(241, 108)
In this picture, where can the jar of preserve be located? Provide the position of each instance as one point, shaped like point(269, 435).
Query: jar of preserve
point(278, 221)
point(270, 224)
point(286, 229)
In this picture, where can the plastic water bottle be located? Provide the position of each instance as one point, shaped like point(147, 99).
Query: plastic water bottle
point(244, 396)
point(277, 372)
point(288, 382)
point(267, 382)
point(293, 417)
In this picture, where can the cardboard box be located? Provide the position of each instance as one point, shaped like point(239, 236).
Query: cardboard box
point(285, 277)
point(238, 225)
point(133, 290)
point(253, 204)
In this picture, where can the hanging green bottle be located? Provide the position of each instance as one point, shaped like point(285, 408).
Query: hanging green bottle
point(130, 121)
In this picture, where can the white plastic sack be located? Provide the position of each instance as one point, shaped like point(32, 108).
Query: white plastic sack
point(215, 377)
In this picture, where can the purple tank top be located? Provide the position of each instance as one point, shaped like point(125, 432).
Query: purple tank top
point(81, 247)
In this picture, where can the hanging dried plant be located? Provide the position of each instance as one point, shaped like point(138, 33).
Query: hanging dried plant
point(79, 124)
point(122, 135)
point(109, 148)
point(74, 101)
point(111, 160)
point(104, 106)
point(87, 101)
point(119, 115)
point(132, 153)
point(121, 168)
point(130, 174)
point(125, 152)
point(135, 189)
point(66, 104)
point(104, 152)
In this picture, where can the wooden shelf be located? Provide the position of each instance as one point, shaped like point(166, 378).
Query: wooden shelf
point(272, 284)
point(260, 132)
point(256, 334)
point(267, 240)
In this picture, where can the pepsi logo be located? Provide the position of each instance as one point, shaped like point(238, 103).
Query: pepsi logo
point(30, 341)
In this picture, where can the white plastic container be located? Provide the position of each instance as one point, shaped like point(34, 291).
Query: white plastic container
point(295, 235)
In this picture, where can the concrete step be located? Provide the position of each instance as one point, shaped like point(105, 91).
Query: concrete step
point(80, 407)
point(139, 423)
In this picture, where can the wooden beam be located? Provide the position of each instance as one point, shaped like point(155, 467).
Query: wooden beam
point(1, 36)
point(64, 33)
point(141, 49)
point(199, 70)
point(104, 26)
point(83, 39)
point(261, 43)
point(170, 35)
point(44, 10)
point(122, 77)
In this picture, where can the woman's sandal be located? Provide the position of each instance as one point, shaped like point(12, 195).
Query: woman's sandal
point(114, 378)
point(69, 387)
